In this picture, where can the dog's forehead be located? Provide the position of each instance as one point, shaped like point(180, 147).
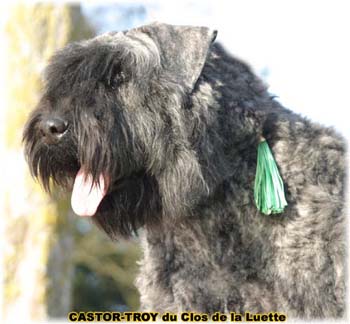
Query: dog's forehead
point(121, 59)
point(134, 40)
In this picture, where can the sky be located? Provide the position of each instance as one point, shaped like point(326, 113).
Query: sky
point(300, 48)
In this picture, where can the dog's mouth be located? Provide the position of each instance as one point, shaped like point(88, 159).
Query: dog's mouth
point(87, 194)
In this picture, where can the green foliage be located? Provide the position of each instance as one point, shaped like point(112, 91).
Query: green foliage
point(104, 271)
point(95, 292)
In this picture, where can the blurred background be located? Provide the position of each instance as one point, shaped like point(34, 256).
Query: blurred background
point(54, 262)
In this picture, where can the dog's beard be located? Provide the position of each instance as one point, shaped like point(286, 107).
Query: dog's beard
point(51, 164)
point(119, 207)
point(131, 203)
point(120, 202)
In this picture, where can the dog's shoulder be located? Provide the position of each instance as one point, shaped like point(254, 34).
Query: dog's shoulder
point(307, 152)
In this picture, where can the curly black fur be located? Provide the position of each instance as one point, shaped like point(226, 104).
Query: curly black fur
point(174, 121)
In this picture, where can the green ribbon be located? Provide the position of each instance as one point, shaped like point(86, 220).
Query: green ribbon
point(268, 188)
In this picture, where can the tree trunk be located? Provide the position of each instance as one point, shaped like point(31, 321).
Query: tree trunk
point(38, 231)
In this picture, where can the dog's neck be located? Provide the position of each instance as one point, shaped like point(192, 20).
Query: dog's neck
point(226, 125)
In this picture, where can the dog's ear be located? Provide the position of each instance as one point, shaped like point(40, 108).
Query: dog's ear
point(183, 49)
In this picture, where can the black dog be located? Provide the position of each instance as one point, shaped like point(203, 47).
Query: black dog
point(158, 129)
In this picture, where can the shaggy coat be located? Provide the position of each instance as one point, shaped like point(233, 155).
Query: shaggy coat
point(173, 122)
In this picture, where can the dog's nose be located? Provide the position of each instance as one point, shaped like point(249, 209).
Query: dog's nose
point(53, 128)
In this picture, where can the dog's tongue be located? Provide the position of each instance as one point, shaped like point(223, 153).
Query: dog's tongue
point(86, 195)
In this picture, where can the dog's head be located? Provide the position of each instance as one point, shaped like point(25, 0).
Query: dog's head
point(111, 125)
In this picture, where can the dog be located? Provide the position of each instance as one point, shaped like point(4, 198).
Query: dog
point(155, 130)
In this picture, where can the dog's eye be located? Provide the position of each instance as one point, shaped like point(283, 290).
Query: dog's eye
point(119, 78)
point(98, 115)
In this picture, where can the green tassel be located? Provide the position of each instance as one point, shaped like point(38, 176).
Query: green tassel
point(268, 188)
